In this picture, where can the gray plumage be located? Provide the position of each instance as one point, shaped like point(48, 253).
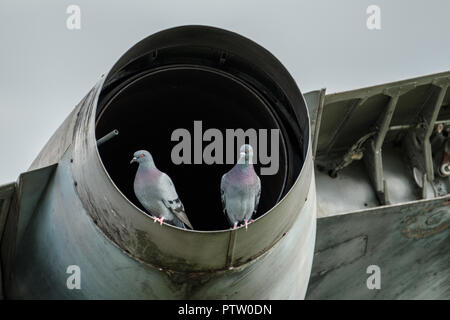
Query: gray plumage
point(241, 189)
point(156, 192)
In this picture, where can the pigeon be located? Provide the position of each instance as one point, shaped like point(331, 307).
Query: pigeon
point(241, 189)
point(156, 192)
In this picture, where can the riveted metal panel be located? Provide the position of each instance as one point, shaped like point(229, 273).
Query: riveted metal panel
point(409, 242)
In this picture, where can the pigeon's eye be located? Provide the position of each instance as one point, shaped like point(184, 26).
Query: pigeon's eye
point(141, 155)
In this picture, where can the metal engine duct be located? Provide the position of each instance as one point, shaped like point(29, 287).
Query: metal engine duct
point(85, 213)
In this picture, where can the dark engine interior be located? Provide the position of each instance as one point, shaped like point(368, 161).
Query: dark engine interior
point(148, 108)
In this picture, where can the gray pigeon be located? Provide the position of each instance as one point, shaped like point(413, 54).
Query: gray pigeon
point(241, 189)
point(156, 192)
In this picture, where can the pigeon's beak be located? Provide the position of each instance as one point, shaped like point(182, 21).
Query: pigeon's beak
point(133, 160)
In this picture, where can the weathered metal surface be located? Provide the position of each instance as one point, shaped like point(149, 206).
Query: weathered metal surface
point(409, 243)
point(31, 186)
point(375, 99)
point(315, 101)
point(83, 218)
point(63, 234)
point(357, 226)
point(24, 200)
point(134, 231)
point(351, 190)
point(373, 155)
point(6, 194)
point(395, 121)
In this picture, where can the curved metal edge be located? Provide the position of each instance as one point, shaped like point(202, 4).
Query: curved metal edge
point(264, 102)
point(63, 234)
point(135, 232)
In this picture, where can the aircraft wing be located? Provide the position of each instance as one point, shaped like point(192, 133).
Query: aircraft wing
point(381, 198)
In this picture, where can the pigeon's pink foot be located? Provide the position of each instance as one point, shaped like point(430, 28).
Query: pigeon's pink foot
point(160, 220)
point(251, 220)
point(246, 223)
point(235, 225)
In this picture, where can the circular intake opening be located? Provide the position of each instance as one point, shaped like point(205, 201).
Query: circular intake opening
point(148, 108)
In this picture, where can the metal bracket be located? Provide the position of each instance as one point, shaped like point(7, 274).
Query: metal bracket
point(29, 189)
point(315, 101)
point(6, 194)
point(418, 142)
point(373, 157)
point(344, 121)
point(356, 152)
point(443, 84)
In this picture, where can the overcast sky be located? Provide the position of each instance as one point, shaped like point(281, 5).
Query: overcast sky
point(46, 69)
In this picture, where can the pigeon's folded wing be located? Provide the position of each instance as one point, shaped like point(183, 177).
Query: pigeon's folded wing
point(223, 185)
point(172, 202)
point(258, 194)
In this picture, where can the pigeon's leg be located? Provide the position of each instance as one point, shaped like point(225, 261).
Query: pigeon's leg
point(160, 220)
point(246, 223)
point(235, 225)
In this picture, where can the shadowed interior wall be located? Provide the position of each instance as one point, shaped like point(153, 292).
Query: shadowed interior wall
point(148, 110)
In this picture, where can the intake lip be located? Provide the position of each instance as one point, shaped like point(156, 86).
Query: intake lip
point(179, 96)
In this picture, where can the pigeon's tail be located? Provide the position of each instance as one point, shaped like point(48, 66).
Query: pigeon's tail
point(187, 226)
point(177, 209)
point(180, 217)
point(178, 223)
